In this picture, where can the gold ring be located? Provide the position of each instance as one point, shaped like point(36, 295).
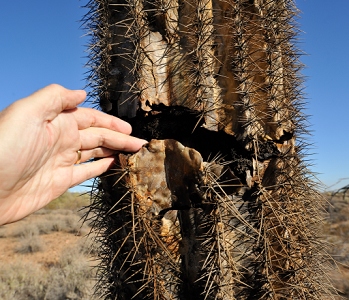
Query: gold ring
point(79, 157)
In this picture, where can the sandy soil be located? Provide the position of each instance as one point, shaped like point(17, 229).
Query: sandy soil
point(53, 243)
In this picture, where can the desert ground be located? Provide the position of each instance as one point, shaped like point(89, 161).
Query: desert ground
point(48, 255)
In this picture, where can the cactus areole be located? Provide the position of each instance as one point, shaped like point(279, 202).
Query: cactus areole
point(219, 204)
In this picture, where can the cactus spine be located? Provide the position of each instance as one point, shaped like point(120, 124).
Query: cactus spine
point(219, 204)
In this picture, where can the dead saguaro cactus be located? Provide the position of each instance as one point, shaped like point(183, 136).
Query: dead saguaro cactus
point(219, 204)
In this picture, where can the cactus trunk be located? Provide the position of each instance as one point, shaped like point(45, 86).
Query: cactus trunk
point(219, 204)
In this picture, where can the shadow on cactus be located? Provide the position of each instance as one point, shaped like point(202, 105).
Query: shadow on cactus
point(219, 204)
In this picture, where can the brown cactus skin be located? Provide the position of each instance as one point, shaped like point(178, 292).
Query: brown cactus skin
point(220, 204)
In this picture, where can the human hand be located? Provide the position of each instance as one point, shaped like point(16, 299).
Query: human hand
point(40, 136)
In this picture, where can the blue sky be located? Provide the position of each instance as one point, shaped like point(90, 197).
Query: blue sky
point(326, 40)
point(42, 43)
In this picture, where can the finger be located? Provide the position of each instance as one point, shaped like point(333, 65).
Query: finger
point(88, 117)
point(92, 137)
point(96, 153)
point(54, 99)
point(89, 170)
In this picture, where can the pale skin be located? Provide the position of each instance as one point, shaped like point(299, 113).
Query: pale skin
point(40, 137)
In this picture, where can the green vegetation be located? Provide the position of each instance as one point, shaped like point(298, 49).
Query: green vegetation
point(70, 201)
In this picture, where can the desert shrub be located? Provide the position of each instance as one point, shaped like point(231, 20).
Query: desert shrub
point(59, 224)
point(42, 211)
point(340, 251)
point(340, 229)
point(89, 245)
point(22, 281)
point(29, 244)
point(341, 282)
point(46, 225)
point(22, 228)
point(71, 278)
point(61, 220)
point(69, 223)
point(336, 227)
point(3, 232)
point(29, 239)
point(338, 208)
point(73, 224)
point(27, 230)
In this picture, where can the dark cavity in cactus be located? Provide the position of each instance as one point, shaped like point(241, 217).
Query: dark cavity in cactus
point(219, 204)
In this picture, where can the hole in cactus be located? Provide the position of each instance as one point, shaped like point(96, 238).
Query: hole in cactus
point(184, 125)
